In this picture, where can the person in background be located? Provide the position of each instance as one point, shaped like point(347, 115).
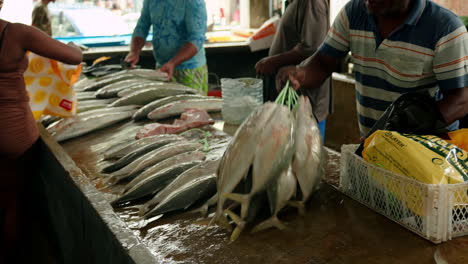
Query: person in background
point(18, 131)
point(397, 46)
point(303, 27)
point(41, 18)
point(179, 28)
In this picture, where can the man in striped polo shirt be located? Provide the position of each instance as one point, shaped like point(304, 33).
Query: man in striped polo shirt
point(397, 46)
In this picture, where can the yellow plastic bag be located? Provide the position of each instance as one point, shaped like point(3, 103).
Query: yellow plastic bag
point(427, 159)
point(459, 138)
point(49, 85)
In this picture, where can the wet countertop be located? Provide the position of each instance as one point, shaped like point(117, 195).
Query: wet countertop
point(335, 228)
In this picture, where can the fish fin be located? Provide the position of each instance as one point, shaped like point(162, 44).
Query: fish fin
point(222, 221)
point(234, 217)
point(240, 224)
point(235, 234)
point(300, 205)
point(243, 199)
point(270, 222)
point(142, 210)
point(203, 210)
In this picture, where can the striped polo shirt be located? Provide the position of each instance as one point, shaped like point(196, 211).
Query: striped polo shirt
point(429, 51)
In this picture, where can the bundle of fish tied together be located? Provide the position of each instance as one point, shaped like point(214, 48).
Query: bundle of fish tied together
point(275, 159)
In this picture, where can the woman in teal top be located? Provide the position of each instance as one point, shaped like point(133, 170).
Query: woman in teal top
point(179, 28)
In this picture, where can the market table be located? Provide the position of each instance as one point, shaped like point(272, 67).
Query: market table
point(335, 228)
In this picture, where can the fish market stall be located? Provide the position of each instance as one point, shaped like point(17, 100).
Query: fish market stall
point(80, 199)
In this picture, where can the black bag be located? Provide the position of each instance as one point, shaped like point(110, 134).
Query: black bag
point(411, 113)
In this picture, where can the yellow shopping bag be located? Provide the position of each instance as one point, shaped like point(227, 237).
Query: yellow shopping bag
point(50, 86)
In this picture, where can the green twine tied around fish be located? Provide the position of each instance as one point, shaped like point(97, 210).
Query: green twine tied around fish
point(204, 140)
point(288, 96)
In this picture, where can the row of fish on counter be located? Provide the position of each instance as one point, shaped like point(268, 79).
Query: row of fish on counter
point(149, 157)
point(275, 159)
point(138, 94)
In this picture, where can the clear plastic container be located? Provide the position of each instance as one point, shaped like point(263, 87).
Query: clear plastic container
point(240, 97)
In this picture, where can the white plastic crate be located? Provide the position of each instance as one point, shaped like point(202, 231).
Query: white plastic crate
point(437, 212)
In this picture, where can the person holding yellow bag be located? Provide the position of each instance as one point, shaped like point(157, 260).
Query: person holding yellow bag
point(18, 130)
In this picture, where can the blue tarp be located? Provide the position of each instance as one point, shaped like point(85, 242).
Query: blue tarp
point(101, 41)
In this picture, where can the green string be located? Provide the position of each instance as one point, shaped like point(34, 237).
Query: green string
point(288, 96)
point(204, 140)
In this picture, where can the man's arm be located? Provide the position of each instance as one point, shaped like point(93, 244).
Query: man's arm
point(454, 106)
point(187, 51)
point(139, 35)
point(269, 65)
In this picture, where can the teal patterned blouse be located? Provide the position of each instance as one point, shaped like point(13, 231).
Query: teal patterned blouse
point(175, 23)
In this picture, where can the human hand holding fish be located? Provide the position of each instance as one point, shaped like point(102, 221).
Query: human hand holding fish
point(167, 70)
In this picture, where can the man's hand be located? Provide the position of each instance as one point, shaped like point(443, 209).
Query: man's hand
point(295, 75)
point(132, 58)
point(169, 69)
point(283, 75)
point(266, 66)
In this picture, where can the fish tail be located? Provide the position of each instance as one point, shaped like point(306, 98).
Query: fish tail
point(222, 221)
point(300, 205)
point(235, 234)
point(243, 199)
point(240, 224)
point(270, 222)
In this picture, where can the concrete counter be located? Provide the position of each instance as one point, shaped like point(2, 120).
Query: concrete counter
point(335, 229)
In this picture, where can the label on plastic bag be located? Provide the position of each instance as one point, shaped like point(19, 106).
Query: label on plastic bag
point(427, 159)
point(49, 85)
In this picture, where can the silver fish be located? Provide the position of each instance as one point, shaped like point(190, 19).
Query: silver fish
point(124, 149)
point(154, 157)
point(153, 184)
point(274, 149)
point(90, 124)
point(84, 96)
point(123, 75)
point(279, 194)
point(182, 198)
point(111, 90)
point(178, 107)
point(146, 109)
point(61, 124)
point(127, 159)
point(203, 169)
point(177, 159)
point(165, 89)
point(238, 157)
point(145, 96)
point(307, 164)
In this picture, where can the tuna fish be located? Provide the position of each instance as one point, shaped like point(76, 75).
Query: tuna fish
point(273, 153)
point(308, 158)
point(279, 193)
point(239, 156)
